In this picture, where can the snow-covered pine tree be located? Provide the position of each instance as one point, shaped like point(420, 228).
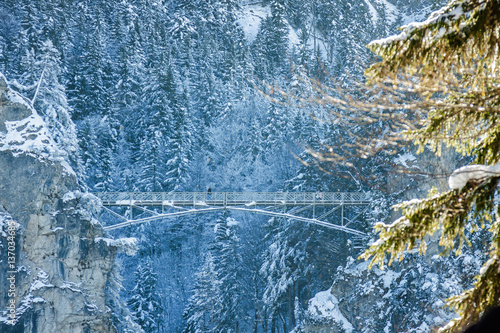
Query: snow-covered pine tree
point(182, 29)
point(179, 145)
point(28, 43)
point(201, 308)
point(89, 77)
point(207, 102)
point(124, 174)
point(89, 147)
point(270, 51)
point(255, 142)
point(10, 45)
point(299, 262)
point(276, 135)
point(50, 99)
point(30, 27)
point(145, 303)
point(451, 62)
point(274, 131)
point(130, 77)
point(159, 95)
point(107, 136)
point(347, 27)
point(227, 262)
point(216, 305)
point(153, 161)
point(275, 36)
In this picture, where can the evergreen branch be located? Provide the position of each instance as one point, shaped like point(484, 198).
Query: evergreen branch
point(448, 212)
point(471, 304)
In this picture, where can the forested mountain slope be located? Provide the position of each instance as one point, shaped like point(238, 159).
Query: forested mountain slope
point(148, 95)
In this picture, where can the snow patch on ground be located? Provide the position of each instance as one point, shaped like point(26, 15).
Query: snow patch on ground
point(389, 277)
point(38, 300)
point(391, 11)
point(406, 157)
point(423, 328)
point(373, 12)
point(250, 18)
point(325, 306)
point(356, 269)
point(68, 196)
point(71, 286)
point(39, 285)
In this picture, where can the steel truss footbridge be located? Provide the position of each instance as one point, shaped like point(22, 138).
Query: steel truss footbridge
point(335, 210)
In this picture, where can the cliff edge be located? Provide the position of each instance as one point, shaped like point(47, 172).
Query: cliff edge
point(55, 265)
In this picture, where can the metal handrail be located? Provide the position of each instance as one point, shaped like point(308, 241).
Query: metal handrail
point(232, 198)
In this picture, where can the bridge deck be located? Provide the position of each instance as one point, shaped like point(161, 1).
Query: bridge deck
point(232, 198)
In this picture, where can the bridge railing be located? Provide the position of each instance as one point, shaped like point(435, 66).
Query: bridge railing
point(231, 198)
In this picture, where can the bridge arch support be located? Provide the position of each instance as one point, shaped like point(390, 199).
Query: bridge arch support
point(290, 205)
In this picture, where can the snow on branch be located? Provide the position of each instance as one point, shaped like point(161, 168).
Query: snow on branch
point(448, 14)
point(462, 175)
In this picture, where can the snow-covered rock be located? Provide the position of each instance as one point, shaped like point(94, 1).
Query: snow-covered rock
point(326, 306)
point(49, 225)
point(127, 245)
point(23, 131)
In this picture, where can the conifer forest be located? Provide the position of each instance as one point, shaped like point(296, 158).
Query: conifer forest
point(257, 96)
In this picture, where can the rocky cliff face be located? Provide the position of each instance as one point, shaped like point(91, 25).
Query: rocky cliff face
point(54, 265)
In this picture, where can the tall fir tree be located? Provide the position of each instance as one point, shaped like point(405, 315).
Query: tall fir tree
point(227, 262)
point(145, 303)
point(50, 99)
point(89, 146)
point(272, 41)
point(159, 95)
point(179, 145)
point(107, 136)
point(200, 311)
point(89, 77)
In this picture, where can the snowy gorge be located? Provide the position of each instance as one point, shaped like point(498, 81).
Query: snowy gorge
point(180, 95)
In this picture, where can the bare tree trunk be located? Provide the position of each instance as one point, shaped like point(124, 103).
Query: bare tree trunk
point(290, 306)
point(264, 321)
point(255, 320)
point(283, 320)
point(293, 319)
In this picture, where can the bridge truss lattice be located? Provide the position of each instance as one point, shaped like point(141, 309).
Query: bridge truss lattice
point(327, 209)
